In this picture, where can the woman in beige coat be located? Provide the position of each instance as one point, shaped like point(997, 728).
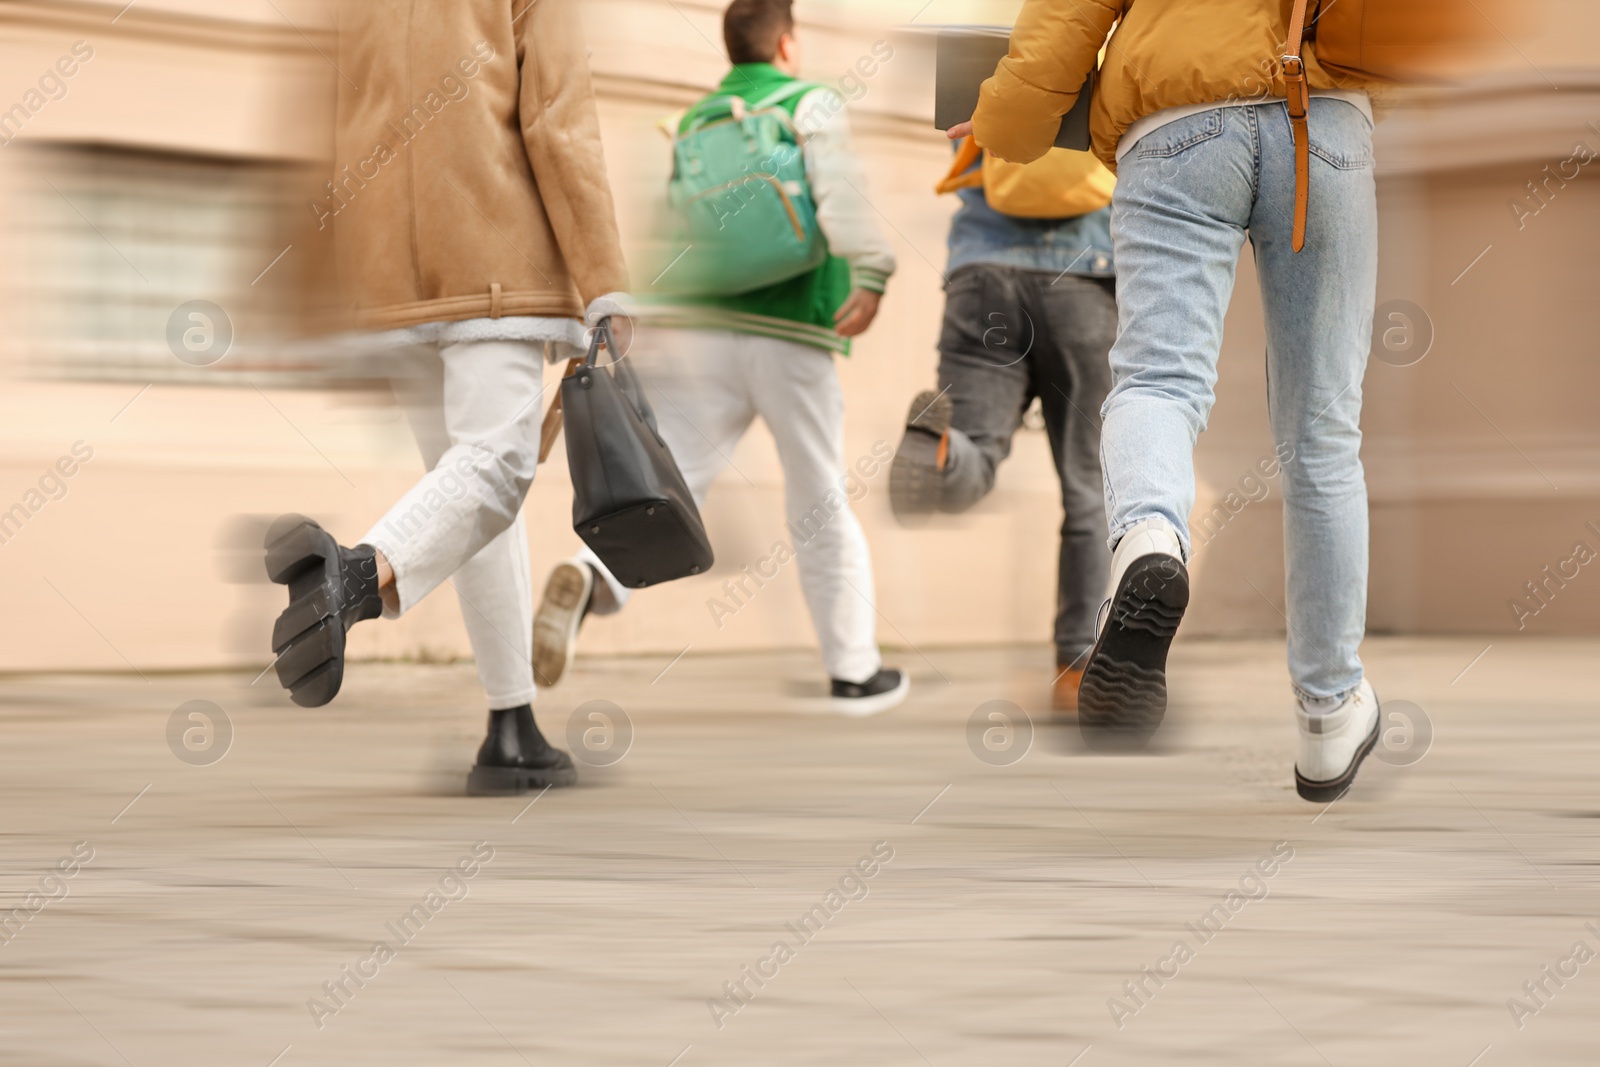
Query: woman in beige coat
point(475, 233)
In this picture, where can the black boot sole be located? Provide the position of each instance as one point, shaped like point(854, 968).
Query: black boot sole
point(1123, 696)
point(1334, 788)
point(514, 781)
point(308, 638)
point(915, 481)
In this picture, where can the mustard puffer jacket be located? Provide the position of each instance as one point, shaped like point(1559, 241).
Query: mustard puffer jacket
point(1164, 53)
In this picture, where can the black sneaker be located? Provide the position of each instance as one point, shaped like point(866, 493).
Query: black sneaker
point(567, 595)
point(916, 477)
point(515, 758)
point(330, 590)
point(877, 694)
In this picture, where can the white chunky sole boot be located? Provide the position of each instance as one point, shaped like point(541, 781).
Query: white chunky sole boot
point(1123, 696)
point(1333, 744)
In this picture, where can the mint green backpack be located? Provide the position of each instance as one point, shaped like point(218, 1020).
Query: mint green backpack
point(740, 214)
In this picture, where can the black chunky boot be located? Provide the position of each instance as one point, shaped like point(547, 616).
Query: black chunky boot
point(515, 758)
point(330, 590)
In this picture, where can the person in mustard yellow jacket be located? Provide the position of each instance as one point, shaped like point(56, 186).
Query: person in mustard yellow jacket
point(1190, 110)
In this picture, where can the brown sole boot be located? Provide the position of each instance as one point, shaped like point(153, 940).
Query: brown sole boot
point(916, 476)
point(1064, 693)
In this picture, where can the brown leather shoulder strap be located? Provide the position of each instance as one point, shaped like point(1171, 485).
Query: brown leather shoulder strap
point(1297, 28)
point(1299, 96)
point(551, 427)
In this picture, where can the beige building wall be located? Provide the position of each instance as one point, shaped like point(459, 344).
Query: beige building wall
point(1481, 455)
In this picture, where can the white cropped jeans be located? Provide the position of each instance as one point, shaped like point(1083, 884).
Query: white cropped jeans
point(707, 387)
point(475, 411)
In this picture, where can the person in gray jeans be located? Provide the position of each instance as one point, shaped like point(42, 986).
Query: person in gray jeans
point(1030, 311)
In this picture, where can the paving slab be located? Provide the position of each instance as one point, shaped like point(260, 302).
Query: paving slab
point(753, 881)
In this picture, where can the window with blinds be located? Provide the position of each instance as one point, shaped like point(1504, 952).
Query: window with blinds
point(131, 264)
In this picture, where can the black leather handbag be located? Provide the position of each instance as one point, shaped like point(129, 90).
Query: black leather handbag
point(629, 501)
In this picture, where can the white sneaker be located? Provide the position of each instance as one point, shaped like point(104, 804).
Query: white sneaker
point(1123, 696)
point(1333, 744)
point(555, 624)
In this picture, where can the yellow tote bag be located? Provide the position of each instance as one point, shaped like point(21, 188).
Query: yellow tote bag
point(1060, 184)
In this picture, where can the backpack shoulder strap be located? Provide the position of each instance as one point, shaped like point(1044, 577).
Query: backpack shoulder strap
point(784, 92)
point(722, 105)
point(959, 177)
point(710, 109)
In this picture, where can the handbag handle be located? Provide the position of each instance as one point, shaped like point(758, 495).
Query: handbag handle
point(621, 371)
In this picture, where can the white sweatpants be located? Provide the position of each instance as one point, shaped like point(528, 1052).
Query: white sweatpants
point(706, 387)
point(475, 411)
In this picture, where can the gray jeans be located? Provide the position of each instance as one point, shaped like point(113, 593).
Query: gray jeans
point(1010, 335)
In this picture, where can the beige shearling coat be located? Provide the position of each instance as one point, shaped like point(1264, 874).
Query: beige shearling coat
point(468, 178)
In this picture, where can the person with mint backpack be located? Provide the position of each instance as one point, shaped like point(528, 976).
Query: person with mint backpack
point(766, 192)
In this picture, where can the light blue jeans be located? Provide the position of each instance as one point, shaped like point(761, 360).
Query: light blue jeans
point(1187, 196)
